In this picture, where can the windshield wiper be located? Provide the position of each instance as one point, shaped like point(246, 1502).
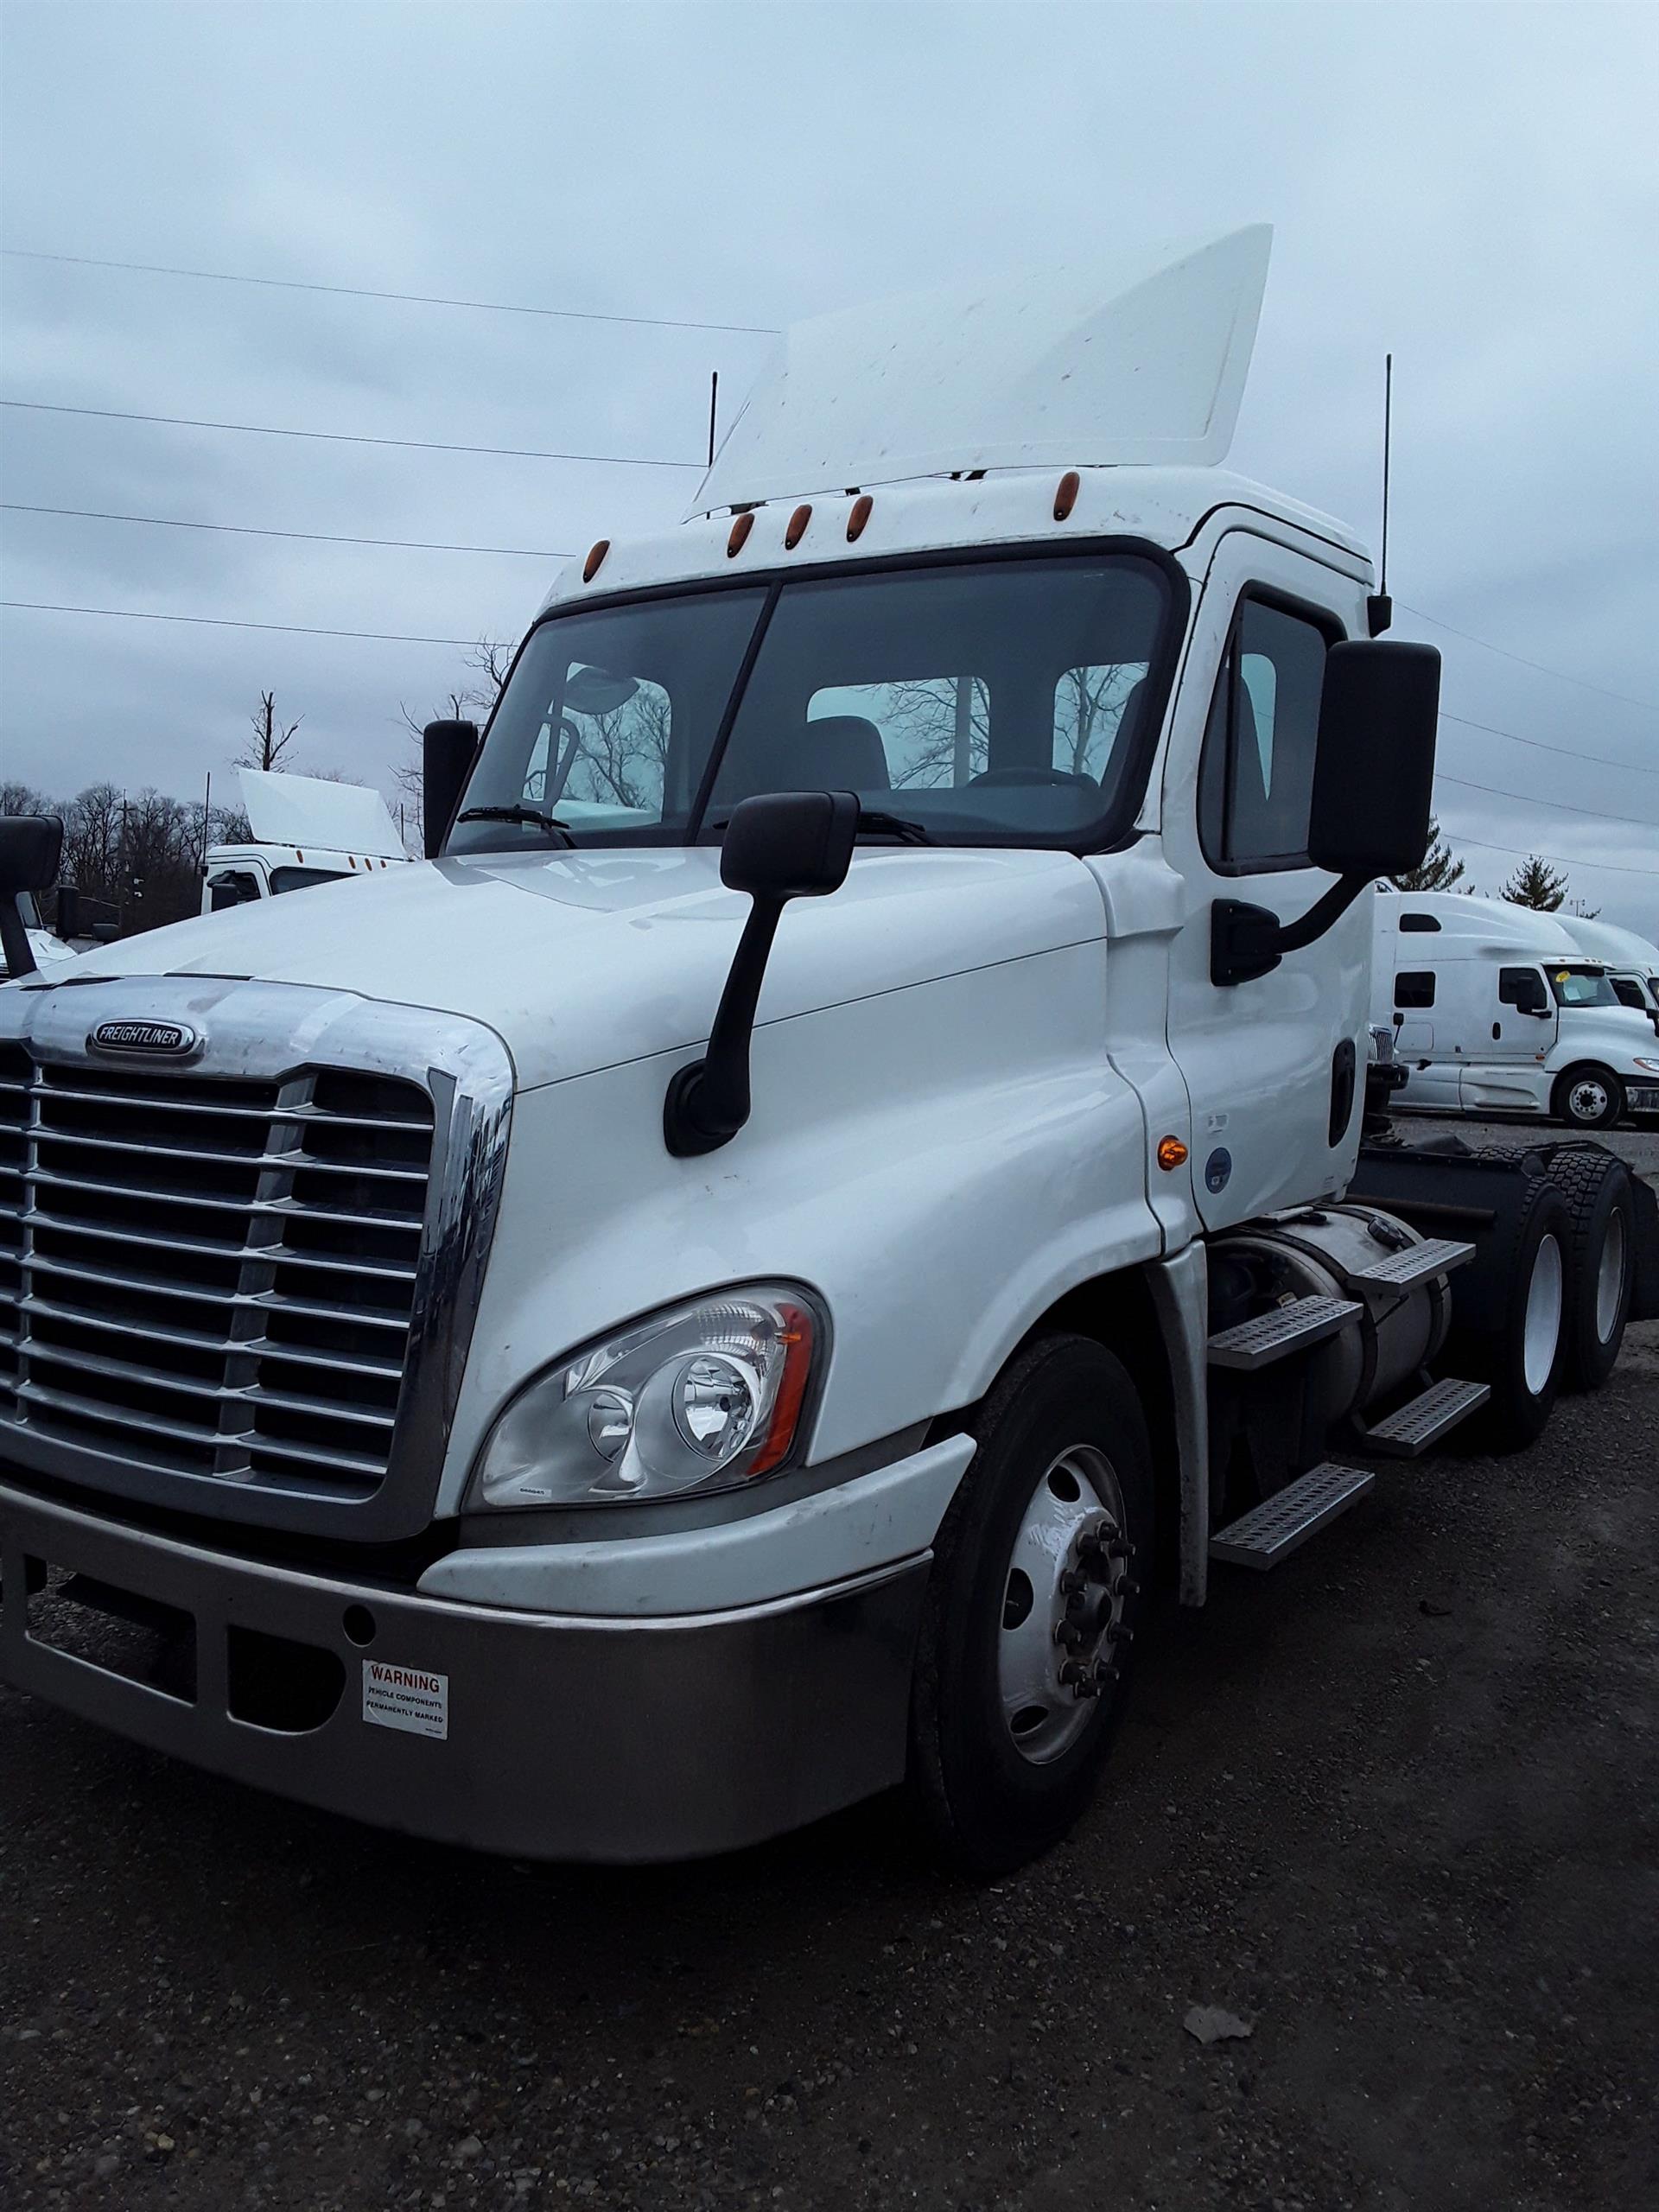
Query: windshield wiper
point(871, 818)
point(882, 824)
point(530, 816)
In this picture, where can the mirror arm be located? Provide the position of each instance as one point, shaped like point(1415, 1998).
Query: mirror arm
point(13, 939)
point(1246, 942)
point(707, 1103)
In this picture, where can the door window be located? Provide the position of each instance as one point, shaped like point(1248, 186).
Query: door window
point(1256, 777)
point(1523, 989)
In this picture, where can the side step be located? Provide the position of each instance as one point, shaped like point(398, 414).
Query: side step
point(1417, 1263)
point(1295, 1327)
point(1283, 1522)
point(1424, 1420)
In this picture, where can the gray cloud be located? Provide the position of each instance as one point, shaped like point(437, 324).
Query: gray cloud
point(1475, 187)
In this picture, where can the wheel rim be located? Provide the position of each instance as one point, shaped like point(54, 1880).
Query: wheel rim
point(1610, 1278)
point(1063, 1603)
point(1587, 1101)
point(1543, 1333)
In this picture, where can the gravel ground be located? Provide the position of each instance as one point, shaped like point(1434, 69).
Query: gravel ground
point(1395, 1807)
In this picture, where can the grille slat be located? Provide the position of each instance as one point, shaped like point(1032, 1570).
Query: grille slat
point(211, 1275)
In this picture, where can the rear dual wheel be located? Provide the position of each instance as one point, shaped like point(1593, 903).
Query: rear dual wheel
point(1522, 1353)
point(1601, 1259)
point(1037, 1593)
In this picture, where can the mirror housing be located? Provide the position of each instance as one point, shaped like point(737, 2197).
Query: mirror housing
point(780, 846)
point(1369, 811)
point(1374, 766)
point(447, 752)
point(31, 848)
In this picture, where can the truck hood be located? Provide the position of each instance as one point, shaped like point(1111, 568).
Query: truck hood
point(585, 960)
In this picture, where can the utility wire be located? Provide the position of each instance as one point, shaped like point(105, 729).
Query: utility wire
point(310, 536)
point(224, 622)
point(1600, 759)
point(1486, 645)
point(1559, 860)
point(1555, 805)
point(417, 299)
point(348, 437)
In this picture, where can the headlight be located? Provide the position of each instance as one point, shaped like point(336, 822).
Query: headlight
point(1652, 1066)
point(701, 1397)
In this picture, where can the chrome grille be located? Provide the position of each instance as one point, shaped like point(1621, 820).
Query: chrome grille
point(209, 1276)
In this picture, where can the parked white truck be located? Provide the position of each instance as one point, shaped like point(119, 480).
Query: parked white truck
point(304, 830)
point(1631, 960)
point(1497, 1008)
point(637, 1333)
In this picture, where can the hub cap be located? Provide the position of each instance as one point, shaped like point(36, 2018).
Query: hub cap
point(1543, 1326)
point(1610, 1278)
point(1063, 1603)
point(1587, 1101)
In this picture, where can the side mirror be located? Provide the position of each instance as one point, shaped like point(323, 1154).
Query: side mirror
point(31, 847)
point(447, 752)
point(1374, 768)
point(784, 845)
point(1373, 783)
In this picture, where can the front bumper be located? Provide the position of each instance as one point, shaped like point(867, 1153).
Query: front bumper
point(1642, 1097)
point(540, 1735)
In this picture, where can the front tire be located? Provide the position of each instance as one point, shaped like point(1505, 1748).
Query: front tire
point(1036, 1597)
point(1589, 1098)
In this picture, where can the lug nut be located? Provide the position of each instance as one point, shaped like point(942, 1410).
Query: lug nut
point(1117, 1633)
point(1070, 1634)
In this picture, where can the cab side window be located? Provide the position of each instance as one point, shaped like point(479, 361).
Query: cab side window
point(1256, 777)
point(1414, 988)
point(1523, 989)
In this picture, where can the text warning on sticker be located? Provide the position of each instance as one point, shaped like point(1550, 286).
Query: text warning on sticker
point(409, 1698)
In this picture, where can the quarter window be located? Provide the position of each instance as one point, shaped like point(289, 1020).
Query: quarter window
point(1414, 988)
point(1255, 778)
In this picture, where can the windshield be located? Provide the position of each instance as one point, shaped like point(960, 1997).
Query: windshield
point(996, 702)
point(1582, 987)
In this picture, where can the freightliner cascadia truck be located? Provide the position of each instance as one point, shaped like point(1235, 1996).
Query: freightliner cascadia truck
point(747, 1279)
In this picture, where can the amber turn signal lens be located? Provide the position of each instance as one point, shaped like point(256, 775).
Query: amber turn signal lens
point(1171, 1153)
point(859, 517)
point(590, 566)
point(1066, 497)
point(797, 529)
point(741, 529)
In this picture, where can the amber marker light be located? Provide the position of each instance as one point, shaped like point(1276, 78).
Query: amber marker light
point(740, 536)
point(590, 567)
point(1171, 1154)
point(797, 1339)
point(797, 529)
point(1066, 497)
point(859, 517)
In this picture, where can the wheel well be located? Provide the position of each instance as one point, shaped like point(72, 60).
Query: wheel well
point(1117, 1312)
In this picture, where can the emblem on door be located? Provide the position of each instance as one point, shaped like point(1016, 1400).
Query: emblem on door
point(1217, 1170)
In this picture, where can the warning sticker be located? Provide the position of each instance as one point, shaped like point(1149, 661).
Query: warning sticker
point(407, 1698)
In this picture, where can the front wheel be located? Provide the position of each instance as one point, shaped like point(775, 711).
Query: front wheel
point(1036, 1594)
point(1589, 1098)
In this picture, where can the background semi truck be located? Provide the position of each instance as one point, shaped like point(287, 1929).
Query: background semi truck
point(305, 831)
point(1631, 961)
point(1497, 1008)
point(741, 1285)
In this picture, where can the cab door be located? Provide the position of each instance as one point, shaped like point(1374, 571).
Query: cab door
point(1274, 1068)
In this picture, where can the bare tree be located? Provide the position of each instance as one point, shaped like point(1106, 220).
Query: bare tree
point(270, 739)
point(472, 701)
point(23, 799)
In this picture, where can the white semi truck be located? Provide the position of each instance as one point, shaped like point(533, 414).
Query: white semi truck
point(303, 831)
point(744, 1284)
point(1631, 960)
point(1497, 1008)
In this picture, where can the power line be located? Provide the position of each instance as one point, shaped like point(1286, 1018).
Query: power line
point(415, 299)
point(1600, 759)
point(309, 536)
point(1555, 805)
point(1525, 852)
point(224, 622)
point(1486, 645)
point(347, 437)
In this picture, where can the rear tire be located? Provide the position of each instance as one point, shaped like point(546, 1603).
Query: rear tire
point(1588, 1097)
point(1525, 1357)
point(1004, 1754)
point(1601, 1260)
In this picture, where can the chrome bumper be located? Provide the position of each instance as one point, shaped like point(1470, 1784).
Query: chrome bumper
point(537, 1735)
point(1642, 1097)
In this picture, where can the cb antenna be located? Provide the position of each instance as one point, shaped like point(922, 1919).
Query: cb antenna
point(1379, 607)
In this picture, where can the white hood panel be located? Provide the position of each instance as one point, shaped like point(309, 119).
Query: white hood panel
point(587, 960)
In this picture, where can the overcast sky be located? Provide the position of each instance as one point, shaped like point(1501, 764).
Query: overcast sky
point(1474, 186)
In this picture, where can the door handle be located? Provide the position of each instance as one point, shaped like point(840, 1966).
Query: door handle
point(1497, 1029)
